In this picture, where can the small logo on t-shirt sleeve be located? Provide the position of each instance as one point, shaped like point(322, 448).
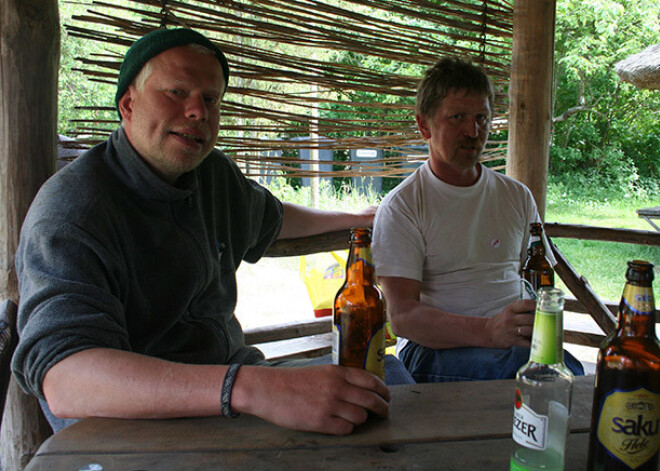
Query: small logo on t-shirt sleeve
point(495, 243)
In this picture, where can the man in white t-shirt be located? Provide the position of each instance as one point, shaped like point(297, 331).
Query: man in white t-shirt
point(449, 242)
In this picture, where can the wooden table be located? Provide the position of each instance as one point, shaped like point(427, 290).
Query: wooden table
point(648, 214)
point(449, 426)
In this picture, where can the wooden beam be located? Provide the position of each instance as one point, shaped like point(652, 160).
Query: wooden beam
point(326, 242)
point(312, 346)
point(607, 234)
point(288, 331)
point(580, 287)
point(530, 96)
point(583, 338)
point(30, 45)
point(573, 305)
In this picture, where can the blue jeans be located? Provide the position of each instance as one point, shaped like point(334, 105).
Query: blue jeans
point(470, 363)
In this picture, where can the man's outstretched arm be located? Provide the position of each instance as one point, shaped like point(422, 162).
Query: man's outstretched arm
point(300, 221)
point(113, 383)
point(435, 328)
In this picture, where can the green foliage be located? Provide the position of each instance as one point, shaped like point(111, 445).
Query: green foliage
point(599, 174)
point(74, 88)
point(77, 91)
point(608, 125)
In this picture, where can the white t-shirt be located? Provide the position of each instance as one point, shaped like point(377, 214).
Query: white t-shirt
point(464, 244)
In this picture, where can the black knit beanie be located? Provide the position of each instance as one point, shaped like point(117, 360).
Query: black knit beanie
point(153, 44)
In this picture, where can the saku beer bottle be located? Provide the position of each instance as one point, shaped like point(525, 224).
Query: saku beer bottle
point(537, 270)
point(625, 417)
point(544, 388)
point(359, 311)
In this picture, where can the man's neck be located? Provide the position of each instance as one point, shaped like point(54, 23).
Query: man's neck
point(456, 177)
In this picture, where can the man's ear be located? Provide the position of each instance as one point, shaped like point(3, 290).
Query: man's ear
point(423, 126)
point(125, 104)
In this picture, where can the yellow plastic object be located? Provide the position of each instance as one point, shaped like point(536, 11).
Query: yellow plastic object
point(323, 275)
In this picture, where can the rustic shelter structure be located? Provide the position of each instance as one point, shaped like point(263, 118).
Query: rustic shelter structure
point(341, 76)
point(641, 69)
point(513, 40)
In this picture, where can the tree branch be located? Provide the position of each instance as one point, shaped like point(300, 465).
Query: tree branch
point(576, 109)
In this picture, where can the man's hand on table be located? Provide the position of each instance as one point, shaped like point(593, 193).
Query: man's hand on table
point(327, 399)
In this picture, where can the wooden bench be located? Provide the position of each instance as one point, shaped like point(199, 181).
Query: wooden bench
point(306, 339)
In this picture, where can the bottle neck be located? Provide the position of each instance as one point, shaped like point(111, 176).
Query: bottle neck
point(637, 311)
point(547, 336)
point(536, 246)
point(359, 266)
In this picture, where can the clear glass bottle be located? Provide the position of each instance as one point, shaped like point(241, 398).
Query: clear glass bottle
point(359, 311)
point(625, 420)
point(544, 388)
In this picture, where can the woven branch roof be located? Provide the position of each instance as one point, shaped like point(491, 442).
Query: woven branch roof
point(343, 73)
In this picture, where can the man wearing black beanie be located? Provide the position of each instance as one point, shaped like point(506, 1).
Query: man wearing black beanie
point(127, 266)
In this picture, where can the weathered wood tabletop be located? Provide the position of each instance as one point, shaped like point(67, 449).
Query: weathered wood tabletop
point(648, 214)
point(449, 426)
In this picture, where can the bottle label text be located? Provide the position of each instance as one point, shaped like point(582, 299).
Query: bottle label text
point(628, 425)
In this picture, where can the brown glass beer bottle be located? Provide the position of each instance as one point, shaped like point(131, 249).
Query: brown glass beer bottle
point(359, 311)
point(625, 417)
point(537, 269)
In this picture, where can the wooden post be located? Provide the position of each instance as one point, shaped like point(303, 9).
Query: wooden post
point(530, 96)
point(30, 52)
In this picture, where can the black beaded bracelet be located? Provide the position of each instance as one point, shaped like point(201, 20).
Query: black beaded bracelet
point(227, 386)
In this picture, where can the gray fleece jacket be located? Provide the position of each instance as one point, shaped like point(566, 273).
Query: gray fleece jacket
point(112, 256)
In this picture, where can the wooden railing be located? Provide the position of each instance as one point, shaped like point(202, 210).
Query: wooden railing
point(603, 313)
point(606, 234)
point(341, 239)
point(313, 337)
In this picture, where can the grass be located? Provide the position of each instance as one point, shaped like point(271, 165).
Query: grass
point(343, 199)
point(603, 264)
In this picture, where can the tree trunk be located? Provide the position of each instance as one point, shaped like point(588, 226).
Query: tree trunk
point(530, 95)
point(29, 62)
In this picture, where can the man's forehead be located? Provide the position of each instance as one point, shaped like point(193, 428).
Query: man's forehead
point(465, 98)
point(458, 93)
